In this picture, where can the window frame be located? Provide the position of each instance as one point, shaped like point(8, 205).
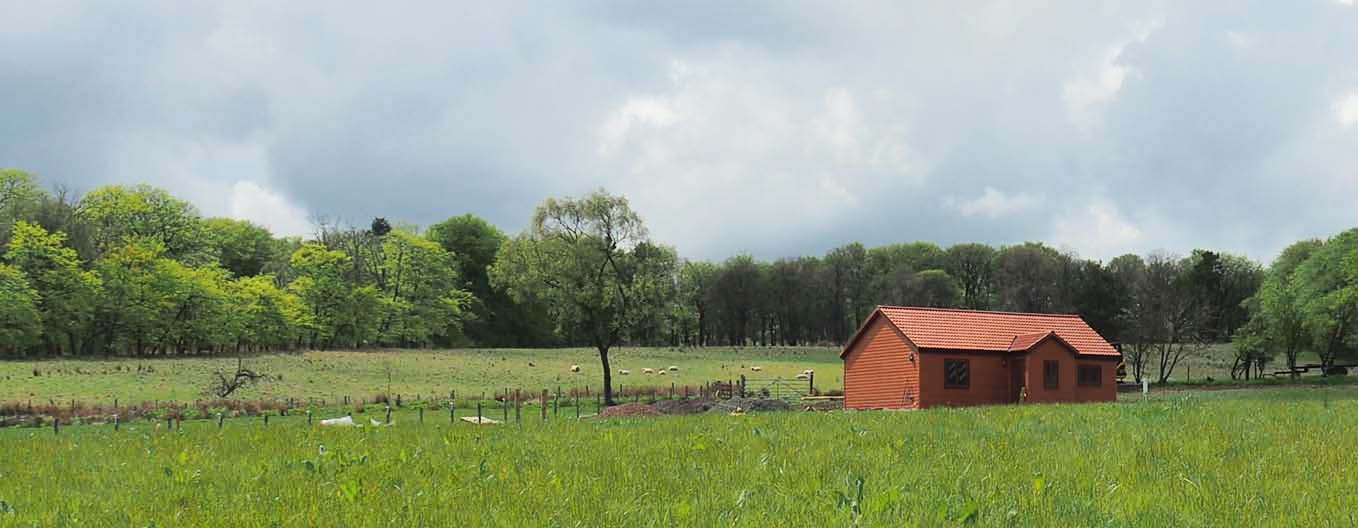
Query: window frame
point(1083, 382)
point(966, 369)
point(1051, 374)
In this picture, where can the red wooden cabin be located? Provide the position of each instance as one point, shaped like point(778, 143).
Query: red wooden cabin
point(912, 358)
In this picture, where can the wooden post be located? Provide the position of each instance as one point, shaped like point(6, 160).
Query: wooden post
point(308, 416)
point(388, 415)
point(811, 384)
point(518, 416)
point(169, 423)
point(504, 406)
point(478, 412)
point(544, 405)
point(556, 405)
point(421, 415)
point(266, 419)
point(742, 385)
point(220, 417)
point(671, 390)
point(452, 412)
point(115, 422)
point(577, 406)
point(56, 425)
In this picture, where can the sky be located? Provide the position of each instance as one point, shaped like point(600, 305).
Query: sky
point(774, 129)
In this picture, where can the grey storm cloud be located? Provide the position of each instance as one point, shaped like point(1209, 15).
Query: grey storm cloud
point(770, 128)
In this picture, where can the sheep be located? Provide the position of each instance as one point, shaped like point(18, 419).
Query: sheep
point(575, 368)
point(647, 371)
point(808, 372)
point(674, 368)
point(624, 372)
point(803, 376)
point(756, 368)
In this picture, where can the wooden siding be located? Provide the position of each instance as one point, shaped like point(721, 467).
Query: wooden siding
point(1068, 389)
point(878, 370)
point(989, 380)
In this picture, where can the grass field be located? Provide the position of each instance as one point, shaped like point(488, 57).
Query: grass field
point(1274, 458)
point(332, 374)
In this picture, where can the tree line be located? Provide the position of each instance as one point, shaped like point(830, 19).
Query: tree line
point(133, 270)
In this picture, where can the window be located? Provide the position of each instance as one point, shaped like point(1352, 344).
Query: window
point(1091, 375)
point(956, 374)
point(1051, 374)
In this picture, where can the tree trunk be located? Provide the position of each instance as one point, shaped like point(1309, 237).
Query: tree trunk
point(608, 376)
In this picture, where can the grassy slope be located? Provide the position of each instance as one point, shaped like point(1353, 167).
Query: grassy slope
point(1218, 460)
point(362, 374)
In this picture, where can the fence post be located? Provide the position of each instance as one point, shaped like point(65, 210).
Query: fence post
point(504, 406)
point(220, 416)
point(518, 406)
point(671, 390)
point(421, 416)
point(544, 405)
point(556, 405)
point(115, 422)
point(577, 406)
point(811, 384)
point(56, 425)
point(452, 411)
point(478, 412)
point(388, 415)
point(308, 416)
point(266, 418)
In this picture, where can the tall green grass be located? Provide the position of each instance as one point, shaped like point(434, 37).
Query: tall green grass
point(1281, 460)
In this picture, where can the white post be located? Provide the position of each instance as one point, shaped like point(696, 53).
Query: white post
point(1145, 387)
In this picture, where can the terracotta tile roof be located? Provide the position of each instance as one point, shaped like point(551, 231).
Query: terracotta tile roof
point(1026, 341)
point(951, 329)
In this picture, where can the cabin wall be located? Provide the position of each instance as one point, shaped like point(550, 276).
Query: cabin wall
point(881, 370)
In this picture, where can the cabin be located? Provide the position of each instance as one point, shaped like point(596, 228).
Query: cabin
point(914, 358)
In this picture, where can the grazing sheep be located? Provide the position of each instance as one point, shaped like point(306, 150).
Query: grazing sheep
point(575, 368)
point(803, 376)
point(756, 368)
point(624, 372)
point(808, 372)
point(647, 371)
point(674, 368)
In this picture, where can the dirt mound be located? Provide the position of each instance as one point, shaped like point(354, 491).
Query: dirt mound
point(683, 406)
point(751, 405)
point(628, 410)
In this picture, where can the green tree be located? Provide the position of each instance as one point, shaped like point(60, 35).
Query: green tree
point(1027, 278)
point(19, 200)
point(972, 265)
point(20, 321)
point(1328, 285)
point(425, 302)
point(580, 257)
point(117, 215)
point(68, 292)
point(241, 247)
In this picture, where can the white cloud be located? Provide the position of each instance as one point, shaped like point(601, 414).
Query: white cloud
point(994, 203)
point(735, 141)
point(1089, 91)
point(1097, 231)
point(250, 201)
point(1348, 110)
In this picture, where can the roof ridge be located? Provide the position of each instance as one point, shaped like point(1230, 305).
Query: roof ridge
point(966, 310)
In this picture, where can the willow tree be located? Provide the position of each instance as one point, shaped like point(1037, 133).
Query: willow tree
point(589, 261)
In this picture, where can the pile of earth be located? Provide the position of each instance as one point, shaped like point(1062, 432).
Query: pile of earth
point(683, 406)
point(629, 410)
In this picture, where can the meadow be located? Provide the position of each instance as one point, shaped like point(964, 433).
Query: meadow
point(332, 375)
point(1273, 458)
